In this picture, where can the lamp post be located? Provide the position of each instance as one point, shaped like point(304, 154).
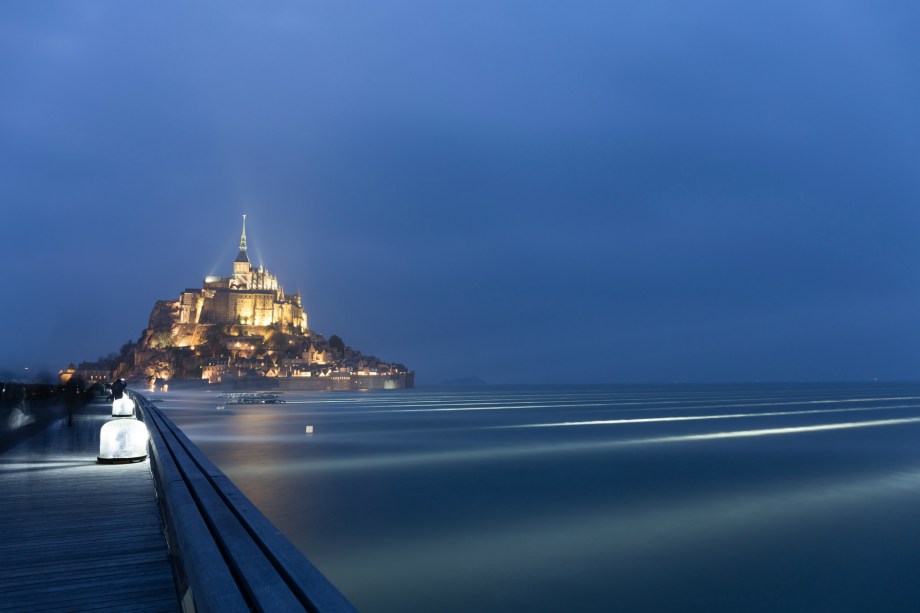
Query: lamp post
point(124, 439)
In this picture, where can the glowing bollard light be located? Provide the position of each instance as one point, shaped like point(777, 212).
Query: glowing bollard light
point(123, 407)
point(122, 441)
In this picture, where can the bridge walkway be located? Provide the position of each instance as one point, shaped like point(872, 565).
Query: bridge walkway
point(76, 535)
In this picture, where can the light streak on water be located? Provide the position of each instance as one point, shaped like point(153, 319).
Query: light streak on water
point(491, 454)
point(648, 420)
point(509, 406)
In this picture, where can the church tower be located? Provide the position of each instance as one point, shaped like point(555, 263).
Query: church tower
point(241, 265)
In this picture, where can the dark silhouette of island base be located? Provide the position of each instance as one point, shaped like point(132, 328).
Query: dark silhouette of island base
point(464, 381)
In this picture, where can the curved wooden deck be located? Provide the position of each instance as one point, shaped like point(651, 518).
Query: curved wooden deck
point(76, 535)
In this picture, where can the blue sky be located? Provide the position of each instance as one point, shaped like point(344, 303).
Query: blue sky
point(524, 191)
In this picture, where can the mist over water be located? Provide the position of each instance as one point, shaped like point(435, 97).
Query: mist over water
point(755, 498)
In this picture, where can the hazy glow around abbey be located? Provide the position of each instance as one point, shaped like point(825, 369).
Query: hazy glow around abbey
point(250, 296)
point(244, 330)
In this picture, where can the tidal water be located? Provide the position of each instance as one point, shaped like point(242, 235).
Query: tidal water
point(653, 498)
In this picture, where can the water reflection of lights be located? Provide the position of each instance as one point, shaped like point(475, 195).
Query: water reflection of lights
point(644, 406)
point(511, 451)
point(648, 420)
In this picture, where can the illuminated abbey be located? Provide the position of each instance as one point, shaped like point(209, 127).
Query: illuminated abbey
point(251, 297)
point(244, 331)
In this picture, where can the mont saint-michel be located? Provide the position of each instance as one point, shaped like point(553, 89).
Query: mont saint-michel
point(243, 331)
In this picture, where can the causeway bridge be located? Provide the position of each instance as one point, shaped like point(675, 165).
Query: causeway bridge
point(170, 533)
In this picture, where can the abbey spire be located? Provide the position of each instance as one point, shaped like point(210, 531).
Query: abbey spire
point(243, 256)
